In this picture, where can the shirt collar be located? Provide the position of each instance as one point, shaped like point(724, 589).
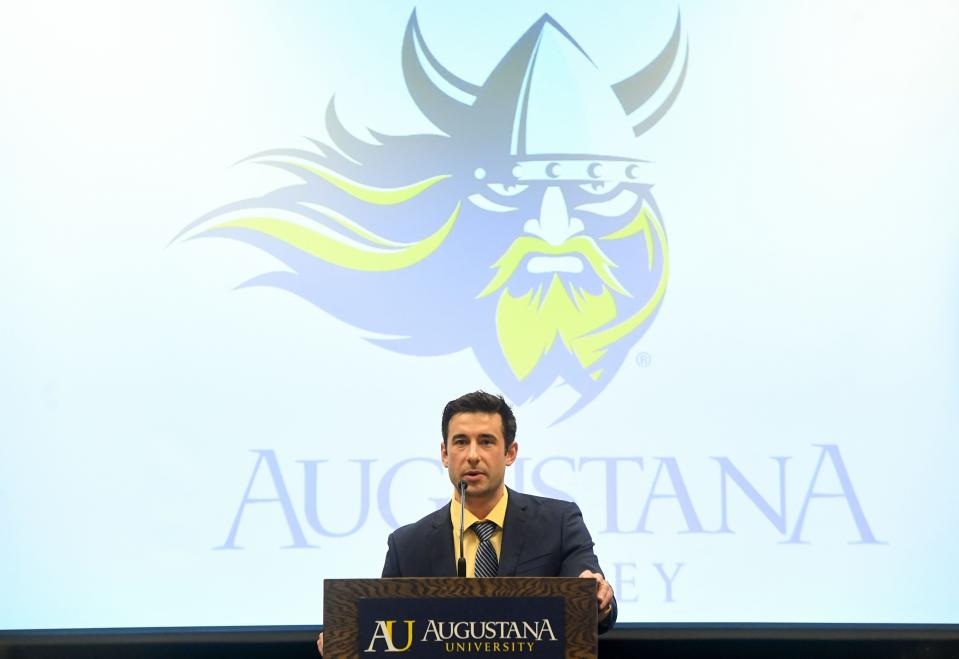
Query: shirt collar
point(497, 514)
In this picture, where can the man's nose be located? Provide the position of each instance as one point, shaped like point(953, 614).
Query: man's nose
point(473, 454)
point(554, 225)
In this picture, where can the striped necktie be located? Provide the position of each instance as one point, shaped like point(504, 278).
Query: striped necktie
point(486, 563)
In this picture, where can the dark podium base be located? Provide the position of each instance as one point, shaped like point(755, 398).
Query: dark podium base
point(645, 641)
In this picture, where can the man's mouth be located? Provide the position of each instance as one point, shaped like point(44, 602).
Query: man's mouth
point(473, 474)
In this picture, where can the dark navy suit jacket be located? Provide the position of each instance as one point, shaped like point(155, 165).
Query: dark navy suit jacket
point(541, 538)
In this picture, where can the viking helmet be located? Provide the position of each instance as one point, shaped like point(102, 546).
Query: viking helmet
point(545, 106)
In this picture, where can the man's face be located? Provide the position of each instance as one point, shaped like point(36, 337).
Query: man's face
point(475, 452)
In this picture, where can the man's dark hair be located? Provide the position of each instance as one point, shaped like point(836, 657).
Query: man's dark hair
point(480, 401)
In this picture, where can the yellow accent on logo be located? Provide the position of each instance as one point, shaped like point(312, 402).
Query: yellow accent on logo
point(367, 193)
point(593, 346)
point(384, 632)
point(580, 246)
point(527, 325)
point(342, 253)
point(640, 224)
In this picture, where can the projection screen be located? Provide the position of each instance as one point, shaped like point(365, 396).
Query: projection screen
point(708, 250)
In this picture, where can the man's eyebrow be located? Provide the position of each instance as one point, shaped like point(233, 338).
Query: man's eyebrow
point(485, 435)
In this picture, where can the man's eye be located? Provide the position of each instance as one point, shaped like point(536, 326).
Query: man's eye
point(598, 187)
point(507, 189)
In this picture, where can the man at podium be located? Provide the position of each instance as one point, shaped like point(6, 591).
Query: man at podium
point(507, 533)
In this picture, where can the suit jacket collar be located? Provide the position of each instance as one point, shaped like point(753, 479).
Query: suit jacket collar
point(442, 556)
point(514, 532)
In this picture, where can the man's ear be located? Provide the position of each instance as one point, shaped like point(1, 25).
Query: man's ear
point(511, 453)
point(443, 455)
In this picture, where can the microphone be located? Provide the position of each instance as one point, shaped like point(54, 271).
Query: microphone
point(461, 563)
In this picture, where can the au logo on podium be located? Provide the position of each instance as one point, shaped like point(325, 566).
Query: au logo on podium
point(473, 626)
point(528, 216)
point(384, 633)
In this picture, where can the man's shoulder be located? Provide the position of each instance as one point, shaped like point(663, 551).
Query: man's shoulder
point(542, 503)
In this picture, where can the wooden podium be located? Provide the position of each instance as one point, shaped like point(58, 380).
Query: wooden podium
point(440, 616)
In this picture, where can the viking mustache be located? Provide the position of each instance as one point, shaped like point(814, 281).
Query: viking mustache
point(524, 246)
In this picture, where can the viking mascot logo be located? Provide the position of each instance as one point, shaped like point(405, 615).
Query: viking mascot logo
point(526, 231)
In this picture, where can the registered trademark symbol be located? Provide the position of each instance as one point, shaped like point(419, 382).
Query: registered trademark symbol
point(644, 359)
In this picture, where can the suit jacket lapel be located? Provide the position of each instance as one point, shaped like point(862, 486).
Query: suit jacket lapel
point(440, 541)
point(514, 533)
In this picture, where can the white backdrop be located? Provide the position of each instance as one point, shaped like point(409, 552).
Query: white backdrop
point(778, 445)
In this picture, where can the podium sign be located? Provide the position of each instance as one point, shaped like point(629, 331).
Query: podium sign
point(443, 617)
point(440, 626)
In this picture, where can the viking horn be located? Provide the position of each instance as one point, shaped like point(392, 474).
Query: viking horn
point(636, 90)
point(446, 112)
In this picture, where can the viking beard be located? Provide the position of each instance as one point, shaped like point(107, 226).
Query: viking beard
point(529, 324)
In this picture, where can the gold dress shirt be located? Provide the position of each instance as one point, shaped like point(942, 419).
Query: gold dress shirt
point(470, 540)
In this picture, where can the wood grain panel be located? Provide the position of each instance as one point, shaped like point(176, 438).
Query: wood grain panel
point(340, 604)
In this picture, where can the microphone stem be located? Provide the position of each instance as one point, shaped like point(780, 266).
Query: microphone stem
point(461, 564)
